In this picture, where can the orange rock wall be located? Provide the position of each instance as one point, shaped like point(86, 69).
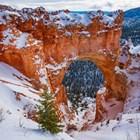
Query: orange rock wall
point(58, 46)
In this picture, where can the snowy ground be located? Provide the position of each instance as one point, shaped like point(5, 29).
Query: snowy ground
point(17, 97)
point(115, 130)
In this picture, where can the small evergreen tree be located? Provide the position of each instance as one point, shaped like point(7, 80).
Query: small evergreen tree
point(47, 114)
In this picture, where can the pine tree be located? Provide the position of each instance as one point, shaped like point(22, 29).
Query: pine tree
point(47, 114)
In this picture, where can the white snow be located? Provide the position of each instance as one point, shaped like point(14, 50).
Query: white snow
point(38, 61)
point(108, 20)
point(86, 33)
point(16, 79)
point(19, 41)
point(60, 18)
point(6, 13)
point(63, 19)
point(57, 90)
point(112, 130)
point(57, 67)
point(135, 50)
point(101, 90)
point(17, 38)
point(17, 98)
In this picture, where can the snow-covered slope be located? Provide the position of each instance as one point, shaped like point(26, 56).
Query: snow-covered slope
point(131, 25)
point(17, 100)
point(16, 91)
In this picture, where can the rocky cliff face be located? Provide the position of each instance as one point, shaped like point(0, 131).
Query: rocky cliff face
point(42, 45)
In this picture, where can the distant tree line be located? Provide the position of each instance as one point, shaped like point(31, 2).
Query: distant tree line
point(82, 79)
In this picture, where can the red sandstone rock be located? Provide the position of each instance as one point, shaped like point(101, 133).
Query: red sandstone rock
point(53, 42)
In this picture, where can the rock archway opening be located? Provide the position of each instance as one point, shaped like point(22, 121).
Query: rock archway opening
point(82, 80)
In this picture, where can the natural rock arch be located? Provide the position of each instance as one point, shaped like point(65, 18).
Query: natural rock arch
point(50, 47)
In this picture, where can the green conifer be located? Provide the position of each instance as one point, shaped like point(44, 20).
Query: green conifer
point(47, 114)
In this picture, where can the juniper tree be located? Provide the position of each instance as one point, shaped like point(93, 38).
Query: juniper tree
point(47, 114)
